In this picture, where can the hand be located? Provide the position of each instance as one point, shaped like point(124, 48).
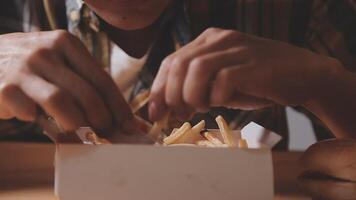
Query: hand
point(328, 170)
point(232, 69)
point(316, 160)
point(54, 71)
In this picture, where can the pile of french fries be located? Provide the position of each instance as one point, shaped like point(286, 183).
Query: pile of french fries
point(186, 135)
point(197, 136)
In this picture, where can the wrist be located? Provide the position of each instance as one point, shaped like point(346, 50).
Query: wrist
point(334, 103)
point(330, 78)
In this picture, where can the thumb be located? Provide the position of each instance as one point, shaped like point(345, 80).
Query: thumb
point(237, 87)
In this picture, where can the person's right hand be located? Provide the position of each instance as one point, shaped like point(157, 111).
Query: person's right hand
point(54, 71)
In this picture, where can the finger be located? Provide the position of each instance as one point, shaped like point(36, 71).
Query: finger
point(83, 93)
point(18, 104)
point(225, 91)
point(213, 40)
point(158, 96)
point(181, 60)
point(221, 36)
point(174, 87)
point(157, 104)
point(327, 188)
point(203, 70)
point(185, 113)
point(253, 80)
point(55, 102)
point(5, 113)
point(87, 67)
point(316, 159)
point(178, 65)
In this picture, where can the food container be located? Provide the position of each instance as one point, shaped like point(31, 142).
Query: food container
point(149, 172)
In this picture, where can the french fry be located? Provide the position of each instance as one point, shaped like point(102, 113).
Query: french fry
point(243, 144)
point(142, 124)
point(183, 145)
point(174, 130)
point(140, 101)
point(193, 135)
point(88, 136)
point(158, 127)
point(173, 138)
point(91, 136)
point(212, 138)
point(205, 143)
point(225, 132)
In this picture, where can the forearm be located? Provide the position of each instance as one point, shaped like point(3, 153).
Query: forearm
point(335, 104)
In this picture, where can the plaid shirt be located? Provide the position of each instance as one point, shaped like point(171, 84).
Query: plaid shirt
point(327, 27)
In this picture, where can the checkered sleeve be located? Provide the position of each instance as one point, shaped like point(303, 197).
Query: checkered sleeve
point(332, 30)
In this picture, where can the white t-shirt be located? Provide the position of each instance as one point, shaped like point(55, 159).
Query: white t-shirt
point(125, 69)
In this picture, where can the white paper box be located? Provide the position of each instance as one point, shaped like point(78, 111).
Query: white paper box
point(259, 137)
point(140, 172)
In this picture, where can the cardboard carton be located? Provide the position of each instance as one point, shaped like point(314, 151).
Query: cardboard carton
point(146, 172)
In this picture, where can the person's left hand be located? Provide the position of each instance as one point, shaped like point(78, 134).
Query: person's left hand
point(233, 69)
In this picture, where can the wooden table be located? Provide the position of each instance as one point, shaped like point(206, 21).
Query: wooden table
point(26, 172)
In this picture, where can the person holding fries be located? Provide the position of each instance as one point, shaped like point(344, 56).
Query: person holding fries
point(82, 61)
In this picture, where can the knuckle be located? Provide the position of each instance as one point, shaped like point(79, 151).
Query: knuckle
point(239, 34)
point(40, 52)
point(156, 88)
point(61, 37)
point(167, 61)
point(334, 62)
point(156, 94)
point(228, 32)
point(212, 31)
point(35, 56)
point(27, 115)
point(227, 35)
point(224, 74)
point(177, 65)
point(232, 35)
point(198, 65)
point(177, 62)
point(7, 89)
point(4, 114)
